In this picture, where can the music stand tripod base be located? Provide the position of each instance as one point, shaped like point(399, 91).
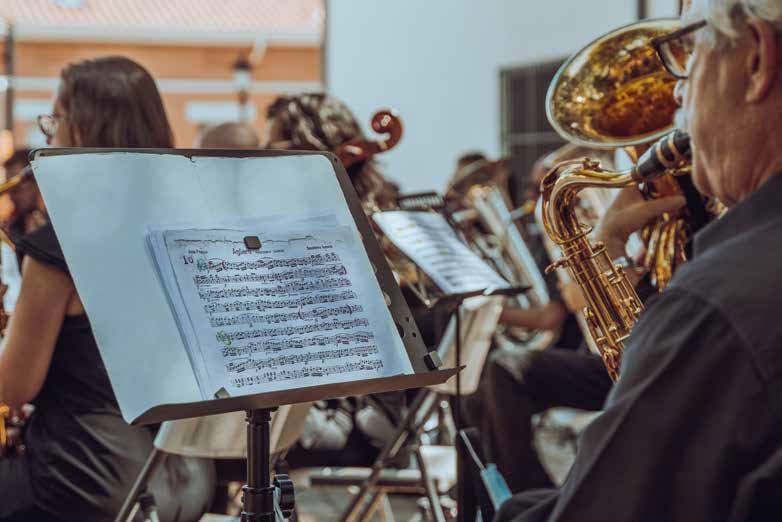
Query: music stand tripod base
point(264, 500)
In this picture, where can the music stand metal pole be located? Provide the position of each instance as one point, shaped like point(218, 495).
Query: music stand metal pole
point(459, 299)
point(258, 498)
point(457, 410)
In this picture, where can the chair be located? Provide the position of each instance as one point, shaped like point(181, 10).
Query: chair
point(479, 318)
point(218, 437)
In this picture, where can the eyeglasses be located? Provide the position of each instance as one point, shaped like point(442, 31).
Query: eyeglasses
point(675, 49)
point(48, 124)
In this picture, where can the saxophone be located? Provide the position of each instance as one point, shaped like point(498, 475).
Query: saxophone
point(615, 93)
point(613, 306)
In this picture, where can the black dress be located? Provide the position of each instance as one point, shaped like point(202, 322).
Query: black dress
point(81, 455)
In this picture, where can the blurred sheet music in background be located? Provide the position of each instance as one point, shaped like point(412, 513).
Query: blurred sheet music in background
point(431, 243)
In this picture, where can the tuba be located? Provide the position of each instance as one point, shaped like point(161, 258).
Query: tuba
point(481, 210)
point(615, 93)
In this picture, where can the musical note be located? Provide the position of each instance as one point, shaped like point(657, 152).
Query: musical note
point(315, 371)
point(317, 313)
point(295, 343)
point(228, 337)
point(254, 277)
point(287, 288)
point(219, 265)
point(263, 305)
point(242, 365)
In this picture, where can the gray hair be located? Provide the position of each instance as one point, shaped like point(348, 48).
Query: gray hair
point(725, 17)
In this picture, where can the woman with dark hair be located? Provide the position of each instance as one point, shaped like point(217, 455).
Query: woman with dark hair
point(321, 122)
point(81, 457)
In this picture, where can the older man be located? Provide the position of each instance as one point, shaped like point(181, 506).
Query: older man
point(693, 429)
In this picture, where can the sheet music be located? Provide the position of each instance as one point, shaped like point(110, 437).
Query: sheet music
point(430, 242)
point(299, 311)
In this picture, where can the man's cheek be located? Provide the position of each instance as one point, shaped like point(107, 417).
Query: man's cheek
point(680, 120)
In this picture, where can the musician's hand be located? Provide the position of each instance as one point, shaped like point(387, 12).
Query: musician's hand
point(572, 296)
point(14, 430)
point(628, 213)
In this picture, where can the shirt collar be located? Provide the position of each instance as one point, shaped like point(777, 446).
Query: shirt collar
point(760, 207)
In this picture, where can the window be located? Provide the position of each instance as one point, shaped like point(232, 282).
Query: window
point(526, 133)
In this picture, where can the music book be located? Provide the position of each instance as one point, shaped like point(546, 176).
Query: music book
point(431, 243)
point(273, 304)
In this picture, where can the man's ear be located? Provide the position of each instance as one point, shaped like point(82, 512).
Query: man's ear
point(762, 59)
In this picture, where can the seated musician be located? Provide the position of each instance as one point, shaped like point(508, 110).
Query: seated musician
point(81, 456)
point(26, 198)
point(229, 135)
point(691, 430)
point(321, 122)
point(26, 215)
point(552, 316)
point(318, 121)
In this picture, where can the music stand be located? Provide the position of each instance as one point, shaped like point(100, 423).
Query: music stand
point(101, 202)
point(434, 287)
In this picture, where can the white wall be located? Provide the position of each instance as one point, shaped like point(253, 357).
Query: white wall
point(437, 62)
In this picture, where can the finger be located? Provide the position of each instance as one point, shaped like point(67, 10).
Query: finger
point(642, 213)
point(629, 195)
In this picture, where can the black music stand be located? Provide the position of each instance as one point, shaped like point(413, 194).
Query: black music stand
point(458, 300)
point(102, 201)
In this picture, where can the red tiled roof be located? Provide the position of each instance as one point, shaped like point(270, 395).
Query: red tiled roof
point(262, 16)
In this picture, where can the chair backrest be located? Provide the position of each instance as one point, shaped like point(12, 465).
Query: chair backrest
point(225, 436)
point(288, 426)
point(479, 318)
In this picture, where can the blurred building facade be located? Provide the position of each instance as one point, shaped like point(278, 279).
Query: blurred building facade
point(192, 48)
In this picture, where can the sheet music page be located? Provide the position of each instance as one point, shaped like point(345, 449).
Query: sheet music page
point(430, 242)
point(298, 311)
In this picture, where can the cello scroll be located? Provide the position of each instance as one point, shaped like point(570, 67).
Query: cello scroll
point(384, 121)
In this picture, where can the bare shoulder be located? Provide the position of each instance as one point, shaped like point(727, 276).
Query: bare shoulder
point(46, 285)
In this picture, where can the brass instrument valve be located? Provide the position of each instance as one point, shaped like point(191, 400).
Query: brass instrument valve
point(591, 164)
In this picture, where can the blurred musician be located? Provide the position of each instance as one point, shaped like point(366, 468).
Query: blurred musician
point(229, 135)
point(318, 121)
point(81, 455)
point(518, 384)
point(321, 122)
point(473, 168)
point(691, 431)
point(27, 214)
point(26, 198)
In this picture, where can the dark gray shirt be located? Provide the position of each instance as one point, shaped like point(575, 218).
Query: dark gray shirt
point(693, 429)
